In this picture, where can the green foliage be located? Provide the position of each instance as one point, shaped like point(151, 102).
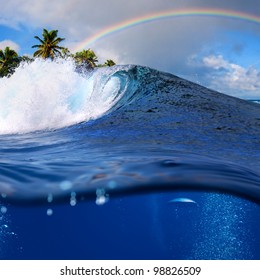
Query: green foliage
point(109, 63)
point(65, 53)
point(26, 59)
point(86, 58)
point(9, 60)
point(49, 47)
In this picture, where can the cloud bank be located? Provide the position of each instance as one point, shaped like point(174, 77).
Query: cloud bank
point(233, 76)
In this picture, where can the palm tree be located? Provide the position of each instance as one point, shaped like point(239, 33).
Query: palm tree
point(49, 47)
point(109, 63)
point(65, 53)
point(86, 58)
point(9, 60)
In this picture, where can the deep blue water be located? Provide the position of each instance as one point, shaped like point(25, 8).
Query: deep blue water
point(135, 227)
point(125, 163)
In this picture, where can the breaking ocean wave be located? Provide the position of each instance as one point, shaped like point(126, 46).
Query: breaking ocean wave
point(70, 136)
point(130, 125)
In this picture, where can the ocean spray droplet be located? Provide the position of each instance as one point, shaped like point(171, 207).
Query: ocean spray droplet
point(65, 185)
point(3, 209)
point(49, 212)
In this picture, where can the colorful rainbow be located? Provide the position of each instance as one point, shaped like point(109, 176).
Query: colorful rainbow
point(164, 15)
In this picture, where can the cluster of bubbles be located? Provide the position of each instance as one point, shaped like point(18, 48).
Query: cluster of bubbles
point(101, 198)
point(221, 230)
point(5, 230)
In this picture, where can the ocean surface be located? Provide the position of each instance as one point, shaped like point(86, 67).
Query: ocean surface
point(125, 162)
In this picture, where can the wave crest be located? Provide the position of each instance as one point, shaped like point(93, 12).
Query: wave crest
point(45, 95)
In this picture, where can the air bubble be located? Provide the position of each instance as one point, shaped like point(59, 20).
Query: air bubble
point(100, 192)
point(65, 185)
point(49, 212)
point(101, 200)
point(4, 195)
point(112, 184)
point(102, 197)
point(50, 198)
point(3, 209)
point(73, 200)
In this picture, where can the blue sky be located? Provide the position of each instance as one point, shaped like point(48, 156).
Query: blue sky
point(219, 53)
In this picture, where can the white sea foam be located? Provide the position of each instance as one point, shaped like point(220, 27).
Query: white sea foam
point(51, 94)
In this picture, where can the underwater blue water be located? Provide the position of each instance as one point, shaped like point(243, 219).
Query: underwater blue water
point(125, 163)
point(135, 227)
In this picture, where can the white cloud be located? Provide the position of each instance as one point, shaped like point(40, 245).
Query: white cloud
point(215, 62)
point(234, 78)
point(9, 43)
point(243, 79)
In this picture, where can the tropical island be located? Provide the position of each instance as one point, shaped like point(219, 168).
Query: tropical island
point(49, 48)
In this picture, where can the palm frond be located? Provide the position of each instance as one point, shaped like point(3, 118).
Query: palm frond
point(38, 38)
point(36, 46)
